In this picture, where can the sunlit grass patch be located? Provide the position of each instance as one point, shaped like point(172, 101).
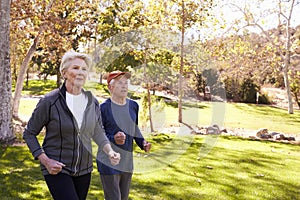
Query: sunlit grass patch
point(234, 168)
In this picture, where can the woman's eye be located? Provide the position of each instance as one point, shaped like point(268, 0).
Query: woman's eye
point(79, 68)
point(75, 67)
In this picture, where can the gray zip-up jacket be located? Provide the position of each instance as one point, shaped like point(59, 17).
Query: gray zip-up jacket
point(63, 140)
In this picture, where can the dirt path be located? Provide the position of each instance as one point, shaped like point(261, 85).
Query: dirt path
point(278, 96)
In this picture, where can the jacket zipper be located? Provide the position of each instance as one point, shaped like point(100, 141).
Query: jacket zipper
point(78, 149)
point(78, 139)
point(78, 135)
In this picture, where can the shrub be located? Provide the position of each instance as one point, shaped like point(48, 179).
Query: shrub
point(264, 99)
point(248, 90)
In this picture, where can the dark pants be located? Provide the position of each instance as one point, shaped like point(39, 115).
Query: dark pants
point(116, 187)
point(66, 187)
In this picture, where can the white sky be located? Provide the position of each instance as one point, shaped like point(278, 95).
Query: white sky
point(261, 12)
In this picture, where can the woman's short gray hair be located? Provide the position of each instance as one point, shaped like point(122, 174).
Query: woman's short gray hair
point(71, 55)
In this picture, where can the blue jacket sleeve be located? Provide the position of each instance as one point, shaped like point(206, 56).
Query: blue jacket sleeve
point(106, 121)
point(138, 138)
point(100, 137)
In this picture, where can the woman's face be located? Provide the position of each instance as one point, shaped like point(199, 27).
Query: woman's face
point(76, 73)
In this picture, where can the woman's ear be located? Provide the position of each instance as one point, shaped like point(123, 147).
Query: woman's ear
point(64, 74)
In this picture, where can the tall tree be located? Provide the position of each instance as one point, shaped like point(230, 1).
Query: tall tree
point(25, 63)
point(53, 29)
point(179, 16)
point(6, 131)
point(192, 15)
point(282, 48)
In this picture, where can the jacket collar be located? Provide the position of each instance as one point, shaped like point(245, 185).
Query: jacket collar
point(63, 91)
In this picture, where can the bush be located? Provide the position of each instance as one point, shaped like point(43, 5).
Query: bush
point(248, 91)
point(264, 99)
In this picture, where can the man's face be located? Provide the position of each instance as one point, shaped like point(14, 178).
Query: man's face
point(119, 87)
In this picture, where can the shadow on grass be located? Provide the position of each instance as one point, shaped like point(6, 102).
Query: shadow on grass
point(233, 173)
point(20, 176)
point(235, 168)
point(174, 104)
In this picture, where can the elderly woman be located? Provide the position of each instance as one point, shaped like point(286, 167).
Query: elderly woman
point(72, 118)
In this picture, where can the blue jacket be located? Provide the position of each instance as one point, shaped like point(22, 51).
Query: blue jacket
point(120, 118)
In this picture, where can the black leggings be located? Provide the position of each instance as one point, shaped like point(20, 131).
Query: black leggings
point(66, 187)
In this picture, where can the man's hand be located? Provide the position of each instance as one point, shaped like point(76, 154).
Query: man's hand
point(120, 138)
point(114, 157)
point(147, 146)
point(53, 166)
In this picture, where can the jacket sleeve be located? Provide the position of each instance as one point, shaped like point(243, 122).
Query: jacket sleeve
point(104, 118)
point(99, 134)
point(138, 138)
point(37, 121)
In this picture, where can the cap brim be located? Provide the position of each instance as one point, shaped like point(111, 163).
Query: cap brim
point(126, 74)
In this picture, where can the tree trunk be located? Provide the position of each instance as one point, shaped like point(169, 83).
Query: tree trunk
point(100, 78)
point(287, 61)
point(288, 88)
point(58, 78)
point(6, 130)
point(180, 90)
point(149, 108)
point(24, 67)
point(21, 77)
point(297, 100)
point(148, 89)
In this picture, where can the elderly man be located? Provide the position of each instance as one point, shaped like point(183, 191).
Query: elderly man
point(120, 120)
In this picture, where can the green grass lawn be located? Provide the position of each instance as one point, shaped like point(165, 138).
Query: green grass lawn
point(186, 166)
point(235, 168)
point(227, 115)
point(234, 115)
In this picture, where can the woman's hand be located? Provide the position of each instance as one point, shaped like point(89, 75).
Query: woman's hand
point(53, 166)
point(114, 157)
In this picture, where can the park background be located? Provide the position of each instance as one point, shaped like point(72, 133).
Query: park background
point(175, 50)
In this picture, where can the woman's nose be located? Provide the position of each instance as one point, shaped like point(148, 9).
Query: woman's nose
point(81, 71)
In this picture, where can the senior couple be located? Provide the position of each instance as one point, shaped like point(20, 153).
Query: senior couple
point(72, 118)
